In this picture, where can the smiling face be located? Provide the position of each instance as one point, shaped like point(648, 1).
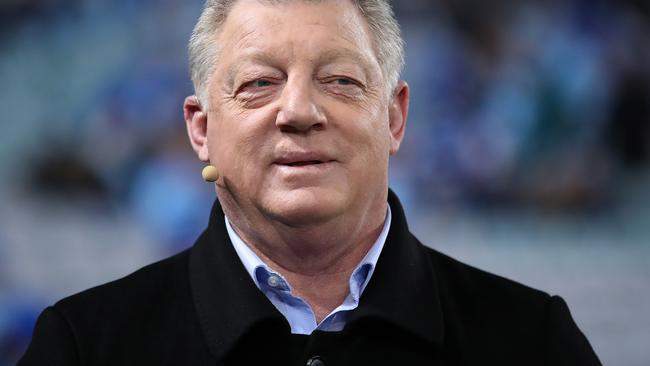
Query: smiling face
point(300, 123)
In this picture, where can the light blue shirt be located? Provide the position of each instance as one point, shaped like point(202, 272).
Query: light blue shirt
point(298, 313)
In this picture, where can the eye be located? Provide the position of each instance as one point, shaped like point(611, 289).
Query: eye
point(343, 81)
point(256, 86)
point(260, 83)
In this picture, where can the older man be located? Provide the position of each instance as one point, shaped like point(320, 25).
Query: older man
point(307, 259)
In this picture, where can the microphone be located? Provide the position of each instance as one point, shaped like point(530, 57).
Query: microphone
point(210, 173)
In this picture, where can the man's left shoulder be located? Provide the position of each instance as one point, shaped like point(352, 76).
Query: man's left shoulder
point(488, 305)
point(466, 281)
point(485, 312)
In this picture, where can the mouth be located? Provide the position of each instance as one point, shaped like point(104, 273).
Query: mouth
point(302, 160)
point(304, 163)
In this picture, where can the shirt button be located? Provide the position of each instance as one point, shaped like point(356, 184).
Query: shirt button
point(273, 281)
point(315, 361)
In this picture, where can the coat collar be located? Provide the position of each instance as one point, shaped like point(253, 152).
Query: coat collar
point(402, 291)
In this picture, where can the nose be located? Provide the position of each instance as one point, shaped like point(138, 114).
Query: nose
point(299, 112)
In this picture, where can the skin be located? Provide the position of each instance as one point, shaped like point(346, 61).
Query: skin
point(301, 127)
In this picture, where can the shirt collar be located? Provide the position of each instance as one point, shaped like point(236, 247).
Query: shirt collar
point(403, 290)
point(358, 280)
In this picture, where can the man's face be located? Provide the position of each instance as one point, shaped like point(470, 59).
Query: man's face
point(299, 123)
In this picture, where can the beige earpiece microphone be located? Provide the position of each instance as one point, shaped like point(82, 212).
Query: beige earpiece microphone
point(210, 173)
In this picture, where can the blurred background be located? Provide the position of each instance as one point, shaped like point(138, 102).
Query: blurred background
point(527, 151)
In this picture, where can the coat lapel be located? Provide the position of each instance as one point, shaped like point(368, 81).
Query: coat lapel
point(227, 301)
point(403, 289)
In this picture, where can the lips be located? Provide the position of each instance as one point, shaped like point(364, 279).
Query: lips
point(303, 163)
point(301, 159)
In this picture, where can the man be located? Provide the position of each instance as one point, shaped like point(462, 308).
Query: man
point(307, 259)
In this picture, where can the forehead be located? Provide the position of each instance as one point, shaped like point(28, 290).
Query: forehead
point(292, 29)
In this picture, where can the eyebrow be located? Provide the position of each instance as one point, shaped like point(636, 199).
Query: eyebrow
point(329, 56)
point(323, 58)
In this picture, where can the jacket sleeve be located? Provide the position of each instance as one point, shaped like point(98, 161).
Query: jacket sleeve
point(566, 344)
point(53, 342)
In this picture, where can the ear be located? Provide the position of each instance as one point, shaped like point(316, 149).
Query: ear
point(196, 121)
point(398, 110)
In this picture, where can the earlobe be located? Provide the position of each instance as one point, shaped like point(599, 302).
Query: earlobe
point(196, 121)
point(397, 114)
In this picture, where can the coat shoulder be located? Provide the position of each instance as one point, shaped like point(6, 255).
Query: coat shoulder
point(119, 315)
point(147, 316)
point(466, 281)
point(158, 283)
point(486, 313)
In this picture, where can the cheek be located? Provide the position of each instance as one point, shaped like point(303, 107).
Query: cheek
point(239, 141)
point(371, 134)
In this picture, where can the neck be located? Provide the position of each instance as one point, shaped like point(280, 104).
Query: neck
point(318, 259)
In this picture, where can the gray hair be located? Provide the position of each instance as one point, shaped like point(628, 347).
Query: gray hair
point(388, 43)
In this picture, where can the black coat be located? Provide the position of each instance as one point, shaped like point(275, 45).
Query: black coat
point(200, 307)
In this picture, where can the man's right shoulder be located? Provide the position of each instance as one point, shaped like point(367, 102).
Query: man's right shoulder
point(148, 315)
point(159, 283)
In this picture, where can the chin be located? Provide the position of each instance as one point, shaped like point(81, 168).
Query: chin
point(305, 206)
